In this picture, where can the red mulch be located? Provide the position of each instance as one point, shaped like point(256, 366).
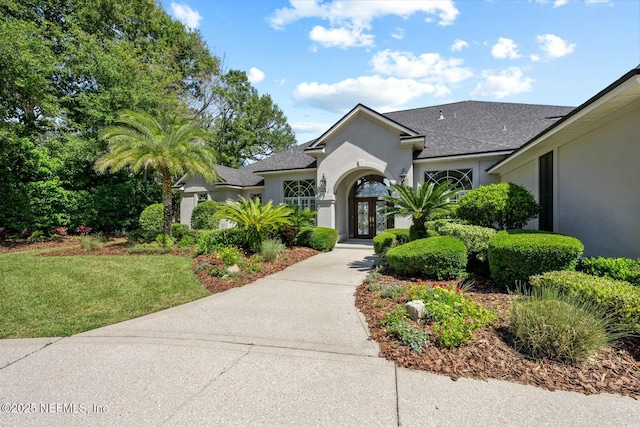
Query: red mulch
point(492, 355)
point(219, 284)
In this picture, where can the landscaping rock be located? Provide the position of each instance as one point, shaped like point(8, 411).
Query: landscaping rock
point(233, 269)
point(415, 309)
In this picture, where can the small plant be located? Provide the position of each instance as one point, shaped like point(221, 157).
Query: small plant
point(374, 287)
point(178, 231)
point(90, 243)
point(397, 324)
point(549, 324)
point(164, 241)
point(272, 249)
point(392, 291)
point(186, 242)
point(37, 236)
point(83, 230)
point(25, 233)
point(60, 231)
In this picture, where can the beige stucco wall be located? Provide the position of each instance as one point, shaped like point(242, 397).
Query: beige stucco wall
point(598, 200)
point(364, 146)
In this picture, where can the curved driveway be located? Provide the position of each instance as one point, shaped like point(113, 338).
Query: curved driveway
point(289, 349)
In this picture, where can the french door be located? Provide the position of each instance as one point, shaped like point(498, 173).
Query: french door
point(369, 217)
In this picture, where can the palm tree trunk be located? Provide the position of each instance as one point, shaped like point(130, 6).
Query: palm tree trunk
point(166, 201)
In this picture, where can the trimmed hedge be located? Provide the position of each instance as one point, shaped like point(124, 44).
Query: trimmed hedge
point(506, 205)
point(152, 219)
point(178, 230)
point(515, 255)
point(209, 241)
point(621, 299)
point(202, 217)
point(322, 239)
point(474, 237)
point(615, 268)
point(442, 257)
point(390, 238)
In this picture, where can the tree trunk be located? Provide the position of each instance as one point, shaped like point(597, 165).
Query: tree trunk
point(167, 201)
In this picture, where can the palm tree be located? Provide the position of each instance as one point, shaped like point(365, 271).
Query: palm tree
point(257, 220)
point(421, 203)
point(169, 144)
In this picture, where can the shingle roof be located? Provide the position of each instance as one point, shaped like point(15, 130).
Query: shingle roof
point(468, 127)
point(237, 177)
point(477, 127)
point(292, 158)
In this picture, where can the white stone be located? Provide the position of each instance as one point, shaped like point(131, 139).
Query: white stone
point(416, 309)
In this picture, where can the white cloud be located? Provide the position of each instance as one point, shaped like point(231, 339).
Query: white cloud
point(554, 46)
point(428, 67)
point(348, 19)
point(398, 34)
point(559, 3)
point(535, 58)
point(458, 45)
point(310, 127)
point(502, 84)
point(376, 92)
point(255, 75)
point(598, 1)
point(505, 48)
point(340, 37)
point(183, 13)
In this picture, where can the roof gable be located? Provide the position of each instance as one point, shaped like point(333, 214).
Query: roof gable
point(359, 111)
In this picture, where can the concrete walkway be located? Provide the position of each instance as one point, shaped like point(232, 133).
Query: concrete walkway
point(289, 349)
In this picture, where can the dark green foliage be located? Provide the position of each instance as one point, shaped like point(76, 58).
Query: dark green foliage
point(151, 219)
point(384, 241)
point(165, 241)
point(476, 239)
point(548, 324)
point(505, 206)
point(442, 257)
point(202, 217)
point(178, 231)
point(621, 299)
point(140, 236)
point(322, 239)
point(301, 219)
point(516, 255)
point(402, 234)
point(616, 268)
point(212, 240)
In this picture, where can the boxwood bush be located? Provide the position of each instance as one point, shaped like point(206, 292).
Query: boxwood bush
point(442, 257)
point(211, 240)
point(515, 255)
point(203, 216)
point(619, 298)
point(505, 205)
point(322, 239)
point(616, 268)
point(151, 219)
point(390, 238)
point(474, 237)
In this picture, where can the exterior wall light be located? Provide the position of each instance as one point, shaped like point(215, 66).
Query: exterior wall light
point(403, 176)
point(322, 188)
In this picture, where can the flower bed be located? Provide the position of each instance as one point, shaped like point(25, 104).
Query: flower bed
point(491, 353)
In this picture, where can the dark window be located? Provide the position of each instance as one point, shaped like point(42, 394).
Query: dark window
point(545, 221)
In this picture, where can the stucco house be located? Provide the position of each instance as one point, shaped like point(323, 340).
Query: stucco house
point(343, 173)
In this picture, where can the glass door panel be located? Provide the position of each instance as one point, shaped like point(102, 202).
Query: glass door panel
point(381, 220)
point(362, 209)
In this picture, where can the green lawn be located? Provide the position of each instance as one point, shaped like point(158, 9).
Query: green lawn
point(62, 296)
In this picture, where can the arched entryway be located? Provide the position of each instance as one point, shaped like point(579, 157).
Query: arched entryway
point(366, 209)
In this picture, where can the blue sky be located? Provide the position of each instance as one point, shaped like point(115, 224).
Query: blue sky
point(318, 59)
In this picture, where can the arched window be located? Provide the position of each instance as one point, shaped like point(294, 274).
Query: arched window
point(462, 179)
point(301, 192)
point(371, 186)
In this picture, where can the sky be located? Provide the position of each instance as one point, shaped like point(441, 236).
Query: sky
point(319, 59)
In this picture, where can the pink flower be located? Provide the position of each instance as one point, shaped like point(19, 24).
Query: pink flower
point(468, 321)
point(379, 315)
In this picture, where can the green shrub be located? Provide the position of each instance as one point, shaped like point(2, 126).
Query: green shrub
point(436, 224)
point(140, 236)
point(402, 234)
point(203, 216)
point(517, 254)
point(152, 219)
point(90, 243)
point(164, 240)
point(272, 249)
point(301, 219)
point(442, 257)
point(624, 269)
point(322, 239)
point(549, 324)
point(621, 299)
point(186, 242)
point(37, 236)
point(505, 205)
point(392, 291)
point(211, 240)
point(474, 237)
point(397, 325)
point(178, 231)
point(384, 241)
